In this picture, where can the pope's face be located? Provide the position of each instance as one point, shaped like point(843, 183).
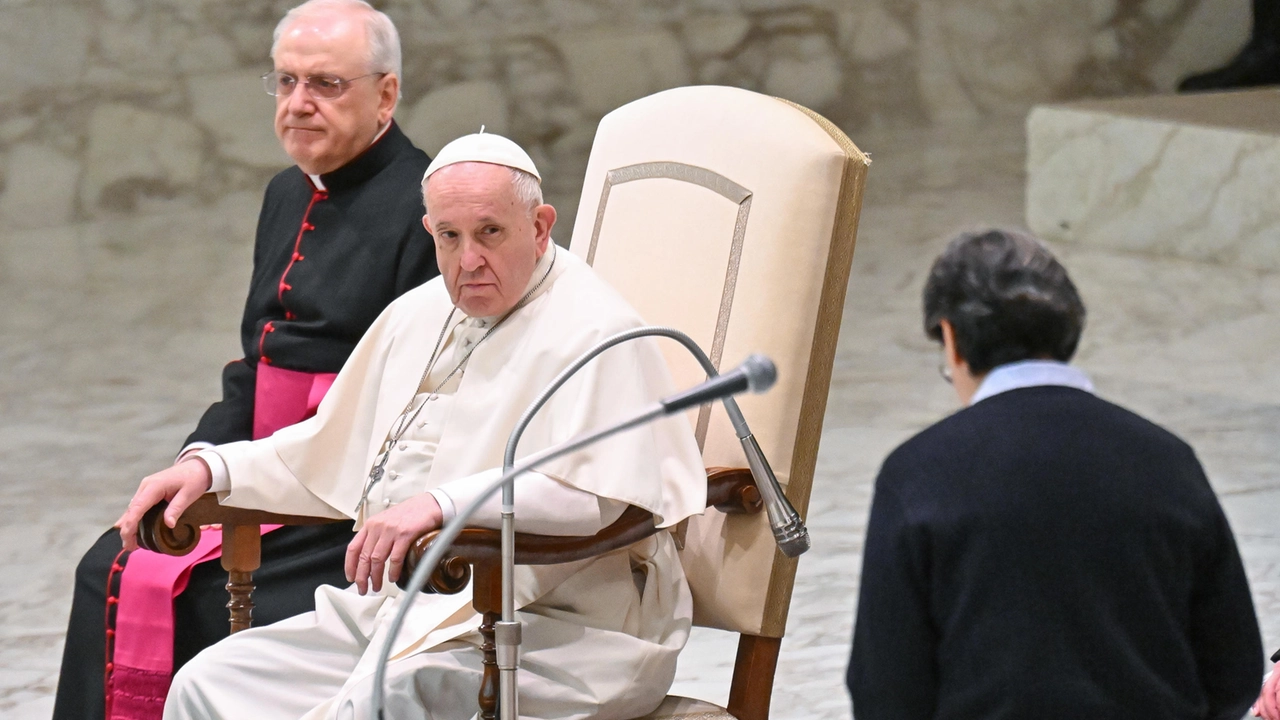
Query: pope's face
point(322, 135)
point(487, 240)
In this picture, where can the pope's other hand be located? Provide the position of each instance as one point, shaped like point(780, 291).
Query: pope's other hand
point(384, 541)
point(180, 484)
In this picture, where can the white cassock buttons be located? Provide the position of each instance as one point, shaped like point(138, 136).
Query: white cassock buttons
point(404, 446)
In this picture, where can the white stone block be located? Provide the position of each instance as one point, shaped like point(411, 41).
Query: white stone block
point(40, 187)
point(1185, 176)
point(234, 108)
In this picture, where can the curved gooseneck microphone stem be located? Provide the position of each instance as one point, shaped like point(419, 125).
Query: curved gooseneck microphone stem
point(788, 529)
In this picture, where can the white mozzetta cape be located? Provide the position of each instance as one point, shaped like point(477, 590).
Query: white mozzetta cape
point(634, 604)
point(319, 466)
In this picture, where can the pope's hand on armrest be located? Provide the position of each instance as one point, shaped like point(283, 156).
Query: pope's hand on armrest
point(179, 484)
point(385, 538)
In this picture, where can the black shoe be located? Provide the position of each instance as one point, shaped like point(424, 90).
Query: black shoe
point(1257, 64)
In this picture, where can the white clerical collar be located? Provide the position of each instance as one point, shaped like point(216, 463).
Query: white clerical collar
point(315, 179)
point(540, 271)
point(1031, 373)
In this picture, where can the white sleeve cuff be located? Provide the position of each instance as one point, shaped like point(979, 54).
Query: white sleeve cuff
point(448, 510)
point(220, 476)
point(544, 505)
point(190, 449)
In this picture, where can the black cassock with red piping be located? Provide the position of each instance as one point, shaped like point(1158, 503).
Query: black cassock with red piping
point(326, 263)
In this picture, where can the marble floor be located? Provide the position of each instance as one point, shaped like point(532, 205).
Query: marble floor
point(112, 335)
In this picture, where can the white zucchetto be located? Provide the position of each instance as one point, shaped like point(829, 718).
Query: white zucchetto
point(486, 148)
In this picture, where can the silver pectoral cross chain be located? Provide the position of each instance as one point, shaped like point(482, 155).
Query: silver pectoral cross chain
point(375, 475)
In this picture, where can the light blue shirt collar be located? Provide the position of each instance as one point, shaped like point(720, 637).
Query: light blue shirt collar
point(1031, 373)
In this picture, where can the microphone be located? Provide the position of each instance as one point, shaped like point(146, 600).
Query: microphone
point(757, 373)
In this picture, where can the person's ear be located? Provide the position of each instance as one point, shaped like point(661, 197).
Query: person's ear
point(388, 97)
point(544, 218)
point(426, 223)
point(950, 350)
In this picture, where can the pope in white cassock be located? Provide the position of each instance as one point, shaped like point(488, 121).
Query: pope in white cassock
point(413, 429)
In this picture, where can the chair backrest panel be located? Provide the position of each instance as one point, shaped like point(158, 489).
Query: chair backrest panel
point(726, 214)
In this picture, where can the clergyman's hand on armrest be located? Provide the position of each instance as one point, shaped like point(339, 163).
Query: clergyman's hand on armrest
point(385, 539)
point(180, 484)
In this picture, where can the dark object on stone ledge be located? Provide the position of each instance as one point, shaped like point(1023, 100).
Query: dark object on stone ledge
point(1258, 63)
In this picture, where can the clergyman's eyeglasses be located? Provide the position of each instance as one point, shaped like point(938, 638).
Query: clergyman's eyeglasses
point(324, 87)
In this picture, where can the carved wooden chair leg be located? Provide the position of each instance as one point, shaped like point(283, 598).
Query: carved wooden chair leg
point(241, 555)
point(752, 687)
point(486, 598)
point(489, 683)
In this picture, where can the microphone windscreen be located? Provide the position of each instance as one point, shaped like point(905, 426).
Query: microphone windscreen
point(760, 371)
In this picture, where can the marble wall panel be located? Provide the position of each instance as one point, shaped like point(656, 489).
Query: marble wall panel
point(141, 105)
point(1157, 184)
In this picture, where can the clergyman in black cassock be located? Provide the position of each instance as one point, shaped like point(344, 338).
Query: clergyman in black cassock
point(1043, 553)
point(332, 250)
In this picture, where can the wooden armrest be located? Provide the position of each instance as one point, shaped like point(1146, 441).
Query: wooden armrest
point(730, 490)
point(154, 535)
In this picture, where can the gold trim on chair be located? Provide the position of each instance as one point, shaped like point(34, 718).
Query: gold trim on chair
point(717, 183)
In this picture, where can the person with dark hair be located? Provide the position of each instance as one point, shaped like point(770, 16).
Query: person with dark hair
point(1042, 552)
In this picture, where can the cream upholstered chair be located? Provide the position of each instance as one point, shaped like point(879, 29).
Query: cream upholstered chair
point(728, 215)
point(731, 216)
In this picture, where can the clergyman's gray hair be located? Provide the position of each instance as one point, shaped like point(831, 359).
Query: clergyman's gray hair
point(526, 186)
point(384, 40)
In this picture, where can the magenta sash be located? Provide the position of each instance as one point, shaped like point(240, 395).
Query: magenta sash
point(141, 667)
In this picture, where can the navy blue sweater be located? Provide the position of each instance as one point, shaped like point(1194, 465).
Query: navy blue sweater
point(1046, 554)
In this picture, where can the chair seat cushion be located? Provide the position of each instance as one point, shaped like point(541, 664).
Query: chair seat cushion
point(675, 707)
